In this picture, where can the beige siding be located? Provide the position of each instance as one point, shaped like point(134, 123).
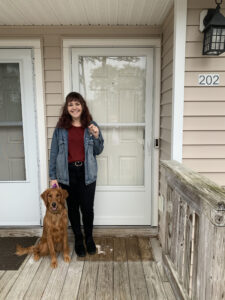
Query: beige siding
point(51, 37)
point(166, 86)
point(204, 107)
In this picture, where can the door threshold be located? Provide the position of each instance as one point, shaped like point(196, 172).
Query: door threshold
point(109, 230)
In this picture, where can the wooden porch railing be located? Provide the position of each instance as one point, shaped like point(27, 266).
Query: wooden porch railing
point(192, 233)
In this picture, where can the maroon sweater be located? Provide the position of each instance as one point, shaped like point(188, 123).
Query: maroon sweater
point(76, 144)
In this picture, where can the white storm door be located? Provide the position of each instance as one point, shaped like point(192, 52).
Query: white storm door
point(117, 84)
point(18, 140)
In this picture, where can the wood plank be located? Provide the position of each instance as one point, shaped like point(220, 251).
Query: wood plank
point(218, 265)
point(204, 255)
point(157, 255)
point(73, 278)
point(152, 277)
point(194, 261)
point(99, 231)
point(56, 280)
point(2, 273)
point(187, 248)
point(88, 282)
point(145, 248)
point(137, 278)
point(40, 280)
point(104, 288)
point(175, 226)
point(181, 239)
point(173, 276)
point(7, 281)
point(9, 277)
point(24, 279)
point(168, 291)
point(121, 276)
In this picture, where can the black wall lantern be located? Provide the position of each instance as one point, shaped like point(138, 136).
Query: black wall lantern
point(214, 31)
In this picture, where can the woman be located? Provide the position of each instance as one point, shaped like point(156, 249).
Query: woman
point(76, 141)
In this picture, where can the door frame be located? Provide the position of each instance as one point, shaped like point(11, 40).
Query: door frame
point(36, 46)
point(154, 43)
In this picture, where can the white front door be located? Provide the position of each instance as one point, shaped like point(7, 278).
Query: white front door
point(18, 140)
point(118, 87)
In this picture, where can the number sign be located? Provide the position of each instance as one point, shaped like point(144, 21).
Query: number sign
point(208, 79)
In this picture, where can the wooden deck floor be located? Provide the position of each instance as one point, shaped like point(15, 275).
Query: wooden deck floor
point(124, 268)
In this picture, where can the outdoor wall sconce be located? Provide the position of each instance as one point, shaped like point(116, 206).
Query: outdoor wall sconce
point(212, 23)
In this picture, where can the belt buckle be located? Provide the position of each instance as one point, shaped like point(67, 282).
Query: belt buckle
point(78, 163)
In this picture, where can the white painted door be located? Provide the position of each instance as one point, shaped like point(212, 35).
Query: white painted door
point(118, 87)
point(18, 143)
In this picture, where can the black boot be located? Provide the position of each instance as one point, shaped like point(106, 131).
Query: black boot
point(90, 244)
point(79, 247)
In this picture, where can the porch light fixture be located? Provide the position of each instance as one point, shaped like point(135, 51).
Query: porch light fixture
point(214, 31)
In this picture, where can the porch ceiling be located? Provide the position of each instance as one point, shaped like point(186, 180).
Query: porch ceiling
point(84, 12)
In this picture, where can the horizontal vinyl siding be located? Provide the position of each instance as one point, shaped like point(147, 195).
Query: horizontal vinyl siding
point(51, 37)
point(166, 86)
point(204, 107)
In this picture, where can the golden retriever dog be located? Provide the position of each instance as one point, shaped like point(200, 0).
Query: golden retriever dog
point(54, 237)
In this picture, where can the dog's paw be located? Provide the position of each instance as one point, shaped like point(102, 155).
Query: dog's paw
point(66, 258)
point(54, 264)
point(36, 257)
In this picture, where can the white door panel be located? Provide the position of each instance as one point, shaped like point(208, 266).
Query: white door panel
point(18, 146)
point(118, 86)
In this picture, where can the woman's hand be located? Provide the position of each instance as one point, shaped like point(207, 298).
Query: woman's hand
point(54, 183)
point(94, 130)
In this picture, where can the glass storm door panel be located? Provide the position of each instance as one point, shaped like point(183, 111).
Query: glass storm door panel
point(18, 147)
point(116, 84)
point(11, 124)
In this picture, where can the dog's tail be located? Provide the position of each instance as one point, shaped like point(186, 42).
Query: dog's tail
point(21, 250)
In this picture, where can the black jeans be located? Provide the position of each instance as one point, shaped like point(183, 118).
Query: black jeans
point(81, 197)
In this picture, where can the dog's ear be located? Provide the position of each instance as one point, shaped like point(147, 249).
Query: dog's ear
point(64, 193)
point(44, 196)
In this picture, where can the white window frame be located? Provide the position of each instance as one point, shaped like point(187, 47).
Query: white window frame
point(155, 43)
point(35, 45)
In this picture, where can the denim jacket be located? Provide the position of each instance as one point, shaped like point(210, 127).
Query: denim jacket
point(58, 165)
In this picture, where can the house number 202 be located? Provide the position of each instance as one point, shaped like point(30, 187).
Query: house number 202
point(208, 79)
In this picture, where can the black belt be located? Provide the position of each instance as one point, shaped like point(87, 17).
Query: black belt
point(77, 163)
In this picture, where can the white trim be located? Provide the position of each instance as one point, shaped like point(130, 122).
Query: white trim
point(156, 135)
point(112, 43)
point(180, 17)
point(126, 42)
point(35, 44)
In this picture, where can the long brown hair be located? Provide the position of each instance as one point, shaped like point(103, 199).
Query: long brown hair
point(65, 120)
